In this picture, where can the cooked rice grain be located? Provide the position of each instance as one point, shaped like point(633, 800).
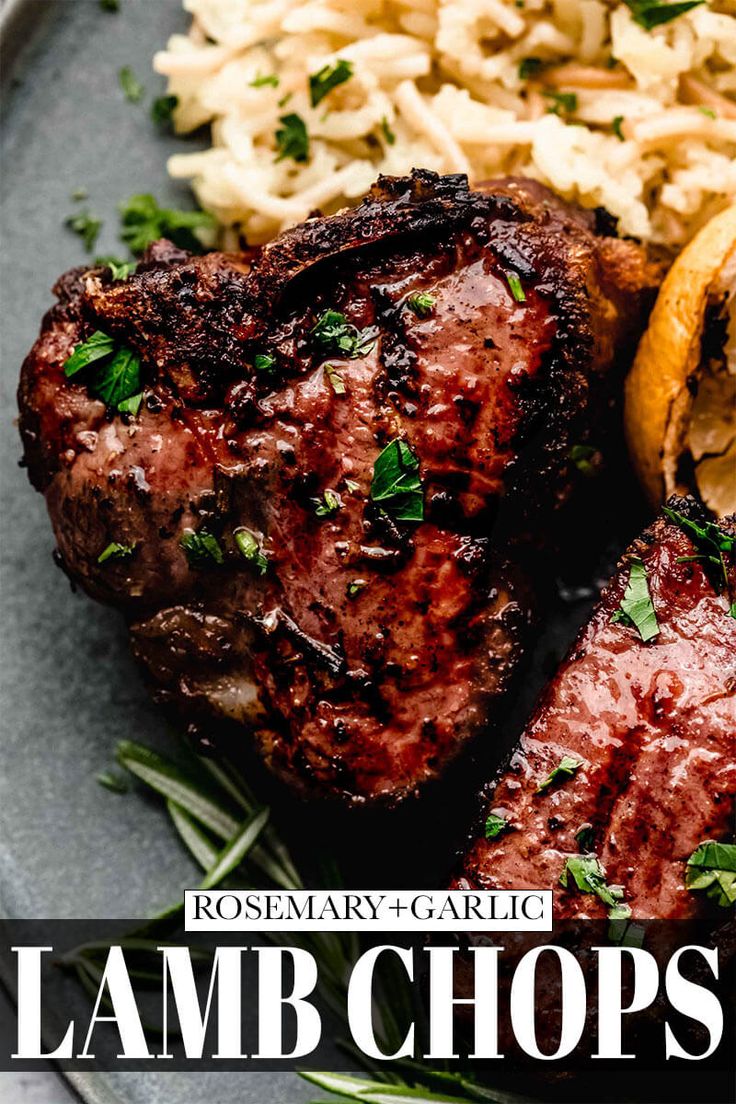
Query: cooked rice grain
point(441, 78)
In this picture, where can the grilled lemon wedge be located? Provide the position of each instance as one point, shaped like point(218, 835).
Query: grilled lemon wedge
point(680, 409)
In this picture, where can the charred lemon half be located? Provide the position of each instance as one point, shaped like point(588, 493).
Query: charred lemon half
point(680, 410)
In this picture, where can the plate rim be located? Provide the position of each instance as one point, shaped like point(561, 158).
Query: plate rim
point(20, 23)
point(15, 17)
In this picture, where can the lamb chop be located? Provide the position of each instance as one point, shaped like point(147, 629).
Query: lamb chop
point(625, 777)
point(315, 476)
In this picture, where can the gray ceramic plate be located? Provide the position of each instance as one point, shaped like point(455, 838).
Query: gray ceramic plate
point(69, 688)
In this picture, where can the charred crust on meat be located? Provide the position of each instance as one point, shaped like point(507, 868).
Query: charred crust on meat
point(642, 731)
point(489, 393)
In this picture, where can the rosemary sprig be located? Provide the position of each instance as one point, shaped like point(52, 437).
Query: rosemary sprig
point(376, 1091)
point(228, 833)
point(212, 809)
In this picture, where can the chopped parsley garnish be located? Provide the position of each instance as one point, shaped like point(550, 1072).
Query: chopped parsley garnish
point(564, 770)
point(732, 610)
point(86, 226)
point(529, 67)
point(328, 505)
point(96, 346)
point(712, 867)
point(292, 139)
point(351, 485)
point(328, 77)
point(637, 609)
point(110, 5)
point(162, 110)
point(265, 363)
point(585, 837)
point(355, 586)
point(143, 222)
point(616, 123)
point(581, 456)
point(79, 194)
point(250, 549)
point(620, 911)
point(120, 270)
point(335, 334)
point(270, 80)
point(119, 378)
point(388, 134)
point(131, 86)
point(495, 825)
point(422, 304)
point(132, 405)
point(653, 13)
point(515, 285)
point(396, 486)
point(712, 541)
point(587, 874)
point(562, 103)
point(708, 111)
point(202, 549)
point(116, 551)
point(337, 383)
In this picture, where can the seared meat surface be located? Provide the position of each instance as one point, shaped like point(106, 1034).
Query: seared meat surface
point(362, 628)
point(652, 727)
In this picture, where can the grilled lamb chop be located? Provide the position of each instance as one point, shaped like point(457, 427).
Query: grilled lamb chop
point(652, 729)
point(371, 605)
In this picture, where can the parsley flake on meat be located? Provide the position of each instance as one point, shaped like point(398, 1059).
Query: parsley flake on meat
point(334, 334)
point(396, 486)
point(96, 346)
point(587, 875)
point(564, 770)
point(515, 286)
point(637, 609)
point(585, 837)
point(117, 379)
point(202, 549)
point(582, 457)
point(120, 270)
point(328, 505)
point(712, 867)
point(421, 304)
point(250, 549)
point(495, 825)
point(335, 380)
point(132, 405)
point(714, 543)
point(116, 551)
